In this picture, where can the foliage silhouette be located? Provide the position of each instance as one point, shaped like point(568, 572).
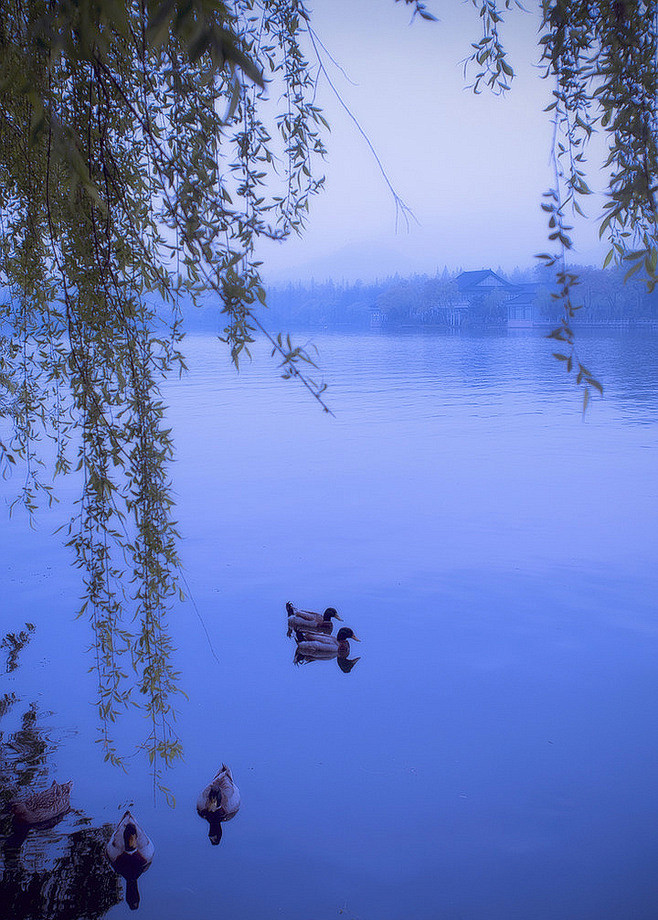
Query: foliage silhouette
point(139, 157)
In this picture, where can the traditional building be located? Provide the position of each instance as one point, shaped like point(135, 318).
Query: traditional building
point(376, 316)
point(513, 304)
point(478, 285)
point(522, 308)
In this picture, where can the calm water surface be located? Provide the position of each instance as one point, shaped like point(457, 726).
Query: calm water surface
point(494, 753)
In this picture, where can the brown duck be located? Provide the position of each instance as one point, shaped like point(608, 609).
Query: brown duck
point(44, 807)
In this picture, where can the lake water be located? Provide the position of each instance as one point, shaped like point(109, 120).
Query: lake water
point(493, 754)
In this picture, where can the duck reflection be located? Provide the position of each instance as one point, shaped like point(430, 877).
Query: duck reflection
point(313, 646)
point(309, 620)
point(219, 802)
point(47, 868)
point(130, 852)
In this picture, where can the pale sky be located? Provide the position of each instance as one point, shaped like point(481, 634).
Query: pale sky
point(472, 168)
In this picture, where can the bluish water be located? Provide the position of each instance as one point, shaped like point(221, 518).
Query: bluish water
point(494, 754)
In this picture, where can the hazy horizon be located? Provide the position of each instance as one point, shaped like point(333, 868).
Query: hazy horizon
point(472, 168)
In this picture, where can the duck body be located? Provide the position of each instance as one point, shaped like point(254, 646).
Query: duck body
point(318, 645)
point(47, 807)
point(219, 802)
point(130, 853)
point(310, 620)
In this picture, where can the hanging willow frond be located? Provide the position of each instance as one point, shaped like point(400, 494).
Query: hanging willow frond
point(603, 60)
point(145, 148)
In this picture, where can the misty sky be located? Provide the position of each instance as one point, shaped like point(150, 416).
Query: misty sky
point(472, 168)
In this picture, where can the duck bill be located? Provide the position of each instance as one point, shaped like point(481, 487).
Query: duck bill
point(354, 639)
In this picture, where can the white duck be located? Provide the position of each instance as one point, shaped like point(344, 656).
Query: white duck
point(219, 802)
point(130, 852)
point(309, 620)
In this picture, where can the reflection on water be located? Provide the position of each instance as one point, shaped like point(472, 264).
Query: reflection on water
point(26, 749)
point(500, 553)
point(78, 882)
point(49, 872)
point(344, 663)
point(219, 802)
point(24, 754)
point(14, 642)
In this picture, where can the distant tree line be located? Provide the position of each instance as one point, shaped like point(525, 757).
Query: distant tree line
point(421, 301)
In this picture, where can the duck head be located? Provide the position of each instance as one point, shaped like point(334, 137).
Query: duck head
point(130, 839)
point(214, 800)
point(329, 613)
point(344, 633)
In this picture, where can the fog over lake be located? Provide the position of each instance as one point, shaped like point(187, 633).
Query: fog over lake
point(472, 167)
point(493, 753)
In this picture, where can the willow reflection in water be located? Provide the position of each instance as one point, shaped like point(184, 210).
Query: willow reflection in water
point(48, 870)
point(77, 883)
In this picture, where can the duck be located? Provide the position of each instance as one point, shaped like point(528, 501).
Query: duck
point(318, 645)
point(219, 802)
point(47, 807)
point(309, 620)
point(130, 852)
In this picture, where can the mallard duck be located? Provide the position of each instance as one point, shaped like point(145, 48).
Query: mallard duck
point(318, 645)
point(130, 852)
point(219, 802)
point(309, 620)
point(43, 807)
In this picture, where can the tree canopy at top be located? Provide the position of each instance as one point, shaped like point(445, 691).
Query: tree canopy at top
point(138, 157)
